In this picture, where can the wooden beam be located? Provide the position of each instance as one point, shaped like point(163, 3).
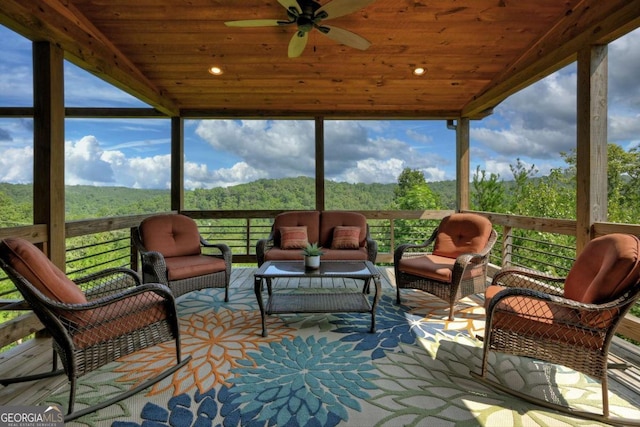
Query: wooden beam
point(355, 113)
point(60, 23)
point(588, 23)
point(463, 162)
point(177, 164)
point(320, 196)
point(591, 154)
point(48, 147)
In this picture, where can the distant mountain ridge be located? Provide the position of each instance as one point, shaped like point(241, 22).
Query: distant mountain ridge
point(83, 201)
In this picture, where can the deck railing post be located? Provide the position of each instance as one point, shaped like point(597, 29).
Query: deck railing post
point(507, 246)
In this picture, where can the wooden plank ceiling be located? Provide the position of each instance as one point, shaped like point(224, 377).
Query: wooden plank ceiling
point(475, 52)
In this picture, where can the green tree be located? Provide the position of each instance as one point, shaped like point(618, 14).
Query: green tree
point(488, 193)
point(413, 193)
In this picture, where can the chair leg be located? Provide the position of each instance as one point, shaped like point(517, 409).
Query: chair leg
point(397, 294)
point(226, 293)
point(605, 397)
point(451, 308)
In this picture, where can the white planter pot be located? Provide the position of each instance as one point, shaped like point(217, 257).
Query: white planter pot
point(312, 262)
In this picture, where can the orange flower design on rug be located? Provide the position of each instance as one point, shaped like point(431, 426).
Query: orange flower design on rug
point(215, 340)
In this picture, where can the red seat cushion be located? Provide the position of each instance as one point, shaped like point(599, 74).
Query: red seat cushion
point(429, 266)
point(171, 235)
point(121, 317)
point(184, 267)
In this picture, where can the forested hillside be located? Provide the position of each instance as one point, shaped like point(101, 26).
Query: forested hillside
point(84, 202)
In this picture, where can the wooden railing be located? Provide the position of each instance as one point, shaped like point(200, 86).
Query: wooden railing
point(242, 229)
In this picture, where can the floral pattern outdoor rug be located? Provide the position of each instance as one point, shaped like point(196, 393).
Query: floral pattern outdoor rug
point(328, 370)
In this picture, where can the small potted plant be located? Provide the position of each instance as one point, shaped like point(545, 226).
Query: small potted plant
point(312, 254)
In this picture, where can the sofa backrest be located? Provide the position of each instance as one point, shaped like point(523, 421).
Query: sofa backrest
point(171, 235)
point(605, 269)
point(309, 219)
point(330, 219)
point(462, 233)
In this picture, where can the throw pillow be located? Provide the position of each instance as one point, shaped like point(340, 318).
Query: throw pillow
point(345, 237)
point(293, 237)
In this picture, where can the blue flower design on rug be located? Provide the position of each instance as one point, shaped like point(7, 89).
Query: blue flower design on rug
point(394, 325)
point(179, 412)
point(299, 382)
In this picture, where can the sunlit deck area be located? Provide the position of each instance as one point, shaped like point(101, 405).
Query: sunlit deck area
point(35, 355)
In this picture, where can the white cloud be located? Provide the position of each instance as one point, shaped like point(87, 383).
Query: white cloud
point(285, 148)
point(16, 165)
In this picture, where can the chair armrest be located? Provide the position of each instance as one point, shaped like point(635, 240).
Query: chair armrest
point(154, 268)
point(105, 300)
point(565, 311)
point(405, 249)
point(520, 277)
point(263, 245)
point(108, 281)
point(466, 264)
point(224, 249)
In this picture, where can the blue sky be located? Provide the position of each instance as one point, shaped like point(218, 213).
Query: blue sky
point(534, 125)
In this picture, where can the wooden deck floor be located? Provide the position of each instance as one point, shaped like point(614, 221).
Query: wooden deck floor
point(35, 355)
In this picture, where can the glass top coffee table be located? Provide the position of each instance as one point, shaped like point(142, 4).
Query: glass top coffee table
point(340, 300)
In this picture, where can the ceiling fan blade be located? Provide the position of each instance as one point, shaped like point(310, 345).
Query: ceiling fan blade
point(298, 43)
point(338, 8)
point(289, 4)
point(256, 23)
point(345, 37)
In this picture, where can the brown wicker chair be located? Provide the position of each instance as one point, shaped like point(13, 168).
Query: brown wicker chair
point(530, 314)
point(173, 253)
point(93, 321)
point(452, 263)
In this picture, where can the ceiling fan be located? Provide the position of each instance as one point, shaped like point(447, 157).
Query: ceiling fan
point(309, 14)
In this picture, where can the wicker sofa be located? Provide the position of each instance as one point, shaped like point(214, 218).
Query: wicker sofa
point(342, 235)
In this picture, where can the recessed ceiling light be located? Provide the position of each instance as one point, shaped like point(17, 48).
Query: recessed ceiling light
point(216, 71)
point(418, 71)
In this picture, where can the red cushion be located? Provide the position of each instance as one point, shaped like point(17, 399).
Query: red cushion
point(429, 266)
point(184, 267)
point(35, 267)
point(329, 220)
point(171, 235)
point(309, 219)
point(462, 233)
point(605, 269)
point(539, 319)
point(345, 237)
point(293, 237)
point(121, 317)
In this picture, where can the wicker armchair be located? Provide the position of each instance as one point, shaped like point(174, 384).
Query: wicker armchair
point(529, 314)
point(173, 253)
point(452, 263)
point(93, 321)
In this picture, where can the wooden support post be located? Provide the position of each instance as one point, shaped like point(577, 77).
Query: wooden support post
point(591, 155)
point(320, 196)
point(177, 164)
point(462, 168)
point(48, 147)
